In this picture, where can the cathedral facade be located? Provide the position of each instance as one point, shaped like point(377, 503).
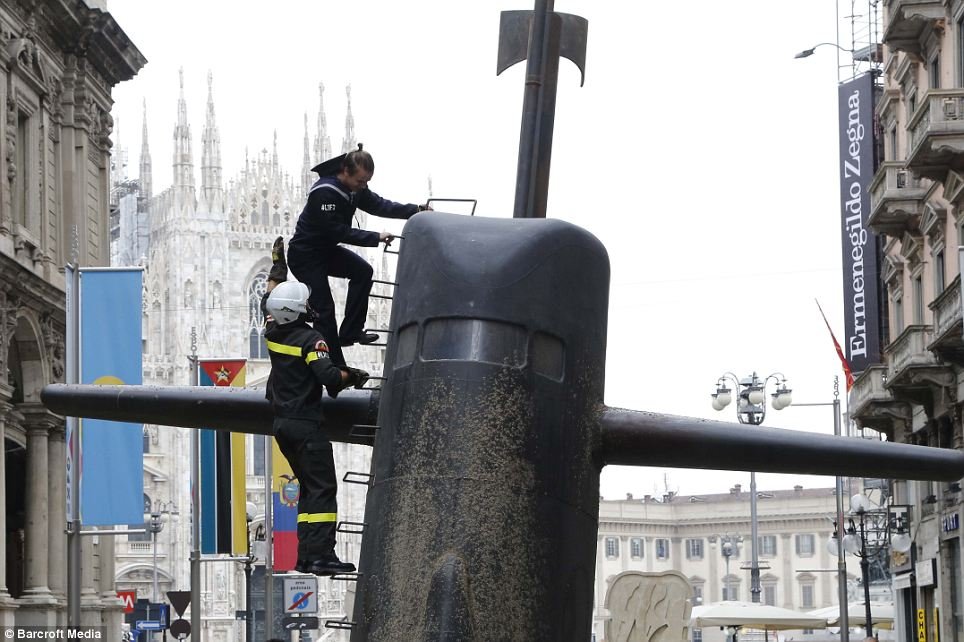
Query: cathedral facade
point(205, 247)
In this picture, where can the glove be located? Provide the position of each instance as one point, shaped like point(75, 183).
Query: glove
point(356, 377)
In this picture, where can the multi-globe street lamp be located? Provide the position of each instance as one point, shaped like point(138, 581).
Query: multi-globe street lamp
point(728, 548)
point(867, 543)
point(751, 408)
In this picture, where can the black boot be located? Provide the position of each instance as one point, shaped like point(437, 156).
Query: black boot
point(330, 565)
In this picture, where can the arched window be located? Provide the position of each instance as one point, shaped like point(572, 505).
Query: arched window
point(257, 349)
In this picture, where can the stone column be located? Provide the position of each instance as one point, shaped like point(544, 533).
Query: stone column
point(37, 603)
point(57, 493)
point(7, 604)
point(113, 615)
point(90, 603)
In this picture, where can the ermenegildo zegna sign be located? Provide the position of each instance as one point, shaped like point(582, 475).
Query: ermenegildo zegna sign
point(860, 254)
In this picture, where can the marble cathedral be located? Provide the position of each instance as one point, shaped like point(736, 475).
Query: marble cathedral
point(206, 255)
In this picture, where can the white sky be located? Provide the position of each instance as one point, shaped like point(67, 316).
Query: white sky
point(699, 151)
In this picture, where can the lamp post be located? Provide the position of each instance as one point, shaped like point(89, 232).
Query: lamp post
point(857, 542)
point(250, 509)
point(156, 520)
point(839, 552)
point(806, 53)
point(728, 548)
point(752, 409)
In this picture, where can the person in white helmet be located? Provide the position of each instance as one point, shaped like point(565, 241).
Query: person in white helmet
point(300, 370)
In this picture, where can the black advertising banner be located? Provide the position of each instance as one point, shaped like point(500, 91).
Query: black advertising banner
point(860, 255)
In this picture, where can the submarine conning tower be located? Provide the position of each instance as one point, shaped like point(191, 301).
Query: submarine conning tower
point(482, 508)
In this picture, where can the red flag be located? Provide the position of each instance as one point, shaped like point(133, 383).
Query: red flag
point(840, 353)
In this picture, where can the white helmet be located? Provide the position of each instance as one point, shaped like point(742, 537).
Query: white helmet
point(287, 301)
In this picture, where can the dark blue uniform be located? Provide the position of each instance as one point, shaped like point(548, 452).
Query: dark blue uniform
point(314, 255)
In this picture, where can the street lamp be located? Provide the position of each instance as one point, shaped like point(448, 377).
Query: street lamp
point(751, 409)
point(156, 520)
point(728, 548)
point(806, 53)
point(250, 509)
point(855, 542)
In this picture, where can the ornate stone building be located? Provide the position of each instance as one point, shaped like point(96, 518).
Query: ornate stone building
point(58, 62)
point(206, 251)
point(917, 199)
point(686, 533)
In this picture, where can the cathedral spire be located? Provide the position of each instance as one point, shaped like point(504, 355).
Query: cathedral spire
point(322, 141)
point(348, 143)
point(274, 155)
point(183, 164)
point(146, 172)
point(306, 162)
point(211, 188)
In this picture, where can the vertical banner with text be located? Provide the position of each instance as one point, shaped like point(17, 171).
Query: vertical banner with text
point(111, 452)
point(860, 245)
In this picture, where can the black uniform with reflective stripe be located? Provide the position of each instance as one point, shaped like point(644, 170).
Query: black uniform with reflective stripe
point(300, 368)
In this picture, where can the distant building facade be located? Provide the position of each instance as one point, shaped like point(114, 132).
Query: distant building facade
point(206, 250)
point(60, 61)
point(687, 533)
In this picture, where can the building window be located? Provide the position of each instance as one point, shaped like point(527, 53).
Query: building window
point(146, 439)
point(935, 72)
point(806, 596)
point(898, 315)
point(770, 594)
point(257, 348)
point(939, 283)
point(636, 547)
point(697, 592)
point(918, 300)
point(731, 588)
point(805, 545)
point(697, 635)
point(612, 547)
point(912, 100)
point(960, 52)
point(258, 459)
point(662, 549)
point(768, 545)
point(694, 549)
point(893, 143)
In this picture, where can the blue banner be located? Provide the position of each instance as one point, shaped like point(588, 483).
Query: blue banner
point(112, 453)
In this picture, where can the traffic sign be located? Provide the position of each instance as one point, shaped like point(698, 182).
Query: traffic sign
point(180, 629)
point(128, 597)
point(180, 600)
point(149, 625)
point(301, 594)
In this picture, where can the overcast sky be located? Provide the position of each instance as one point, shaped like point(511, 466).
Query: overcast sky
point(699, 151)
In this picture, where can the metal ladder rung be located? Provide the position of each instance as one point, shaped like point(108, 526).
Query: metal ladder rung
point(375, 345)
point(387, 251)
point(367, 482)
point(340, 528)
point(339, 624)
point(382, 296)
point(369, 431)
point(373, 388)
point(385, 330)
point(346, 577)
point(370, 378)
point(393, 283)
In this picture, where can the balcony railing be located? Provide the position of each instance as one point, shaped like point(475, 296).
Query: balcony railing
point(910, 349)
point(947, 308)
point(896, 197)
point(936, 134)
point(868, 389)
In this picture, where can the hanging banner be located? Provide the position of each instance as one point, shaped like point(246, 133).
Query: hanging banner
point(860, 246)
point(222, 498)
point(285, 492)
point(111, 453)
